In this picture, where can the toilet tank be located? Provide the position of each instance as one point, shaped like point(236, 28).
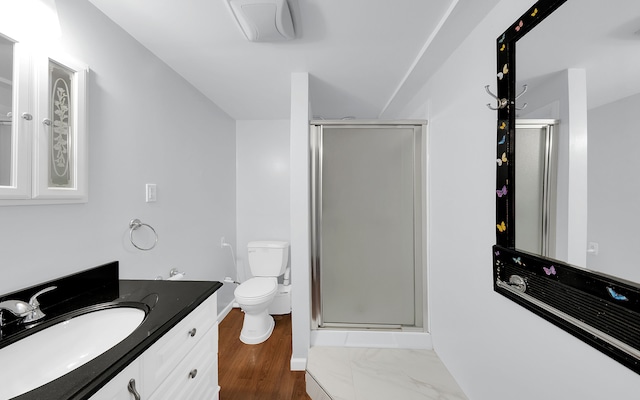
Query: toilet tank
point(268, 258)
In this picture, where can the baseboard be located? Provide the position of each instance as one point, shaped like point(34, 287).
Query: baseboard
point(224, 312)
point(298, 364)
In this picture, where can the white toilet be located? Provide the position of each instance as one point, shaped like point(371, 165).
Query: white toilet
point(267, 260)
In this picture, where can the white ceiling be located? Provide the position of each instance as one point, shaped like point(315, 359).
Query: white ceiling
point(357, 52)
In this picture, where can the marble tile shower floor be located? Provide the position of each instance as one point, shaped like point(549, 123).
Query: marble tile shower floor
point(343, 373)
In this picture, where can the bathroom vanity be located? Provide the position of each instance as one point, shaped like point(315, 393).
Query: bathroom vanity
point(172, 354)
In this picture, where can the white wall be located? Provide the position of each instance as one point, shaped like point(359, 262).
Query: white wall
point(495, 349)
point(300, 221)
point(614, 145)
point(146, 125)
point(262, 152)
point(273, 200)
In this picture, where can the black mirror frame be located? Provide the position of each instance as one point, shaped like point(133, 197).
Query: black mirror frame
point(601, 310)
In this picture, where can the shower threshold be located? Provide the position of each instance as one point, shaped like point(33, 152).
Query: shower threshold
point(334, 325)
point(388, 338)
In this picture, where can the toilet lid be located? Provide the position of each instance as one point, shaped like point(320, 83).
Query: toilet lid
point(256, 287)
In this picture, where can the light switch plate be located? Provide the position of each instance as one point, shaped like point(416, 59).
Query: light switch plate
point(151, 192)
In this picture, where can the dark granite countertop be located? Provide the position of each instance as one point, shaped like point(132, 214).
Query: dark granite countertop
point(166, 303)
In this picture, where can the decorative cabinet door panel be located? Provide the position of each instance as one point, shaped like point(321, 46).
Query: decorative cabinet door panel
point(60, 146)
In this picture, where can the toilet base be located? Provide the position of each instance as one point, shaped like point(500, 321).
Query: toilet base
point(256, 328)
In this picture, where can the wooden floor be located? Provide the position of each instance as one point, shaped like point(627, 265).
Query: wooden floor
point(261, 371)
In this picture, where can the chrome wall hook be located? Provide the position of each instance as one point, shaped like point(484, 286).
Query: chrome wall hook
point(501, 103)
point(524, 90)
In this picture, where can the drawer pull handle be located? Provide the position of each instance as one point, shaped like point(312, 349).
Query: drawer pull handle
point(193, 373)
point(192, 332)
point(132, 389)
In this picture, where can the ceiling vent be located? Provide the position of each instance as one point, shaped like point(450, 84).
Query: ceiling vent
point(264, 20)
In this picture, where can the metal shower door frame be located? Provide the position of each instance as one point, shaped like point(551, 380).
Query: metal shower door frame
point(316, 137)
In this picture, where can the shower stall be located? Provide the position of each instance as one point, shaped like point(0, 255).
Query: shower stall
point(368, 225)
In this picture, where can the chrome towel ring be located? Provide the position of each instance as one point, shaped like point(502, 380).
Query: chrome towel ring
point(134, 225)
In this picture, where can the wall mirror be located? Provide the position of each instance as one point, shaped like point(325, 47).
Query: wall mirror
point(567, 156)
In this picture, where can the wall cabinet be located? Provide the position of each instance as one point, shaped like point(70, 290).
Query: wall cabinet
point(43, 135)
point(183, 364)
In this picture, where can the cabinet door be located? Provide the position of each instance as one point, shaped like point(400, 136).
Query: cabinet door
point(118, 387)
point(60, 144)
point(16, 125)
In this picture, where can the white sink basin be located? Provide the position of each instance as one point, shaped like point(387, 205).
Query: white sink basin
point(61, 348)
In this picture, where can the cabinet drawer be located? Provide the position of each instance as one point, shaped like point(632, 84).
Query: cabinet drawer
point(161, 358)
point(196, 377)
point(207, 388)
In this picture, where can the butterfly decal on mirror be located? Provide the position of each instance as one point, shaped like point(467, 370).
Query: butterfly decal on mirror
point(505, 70)
point(502, 192)
point(615, 295)
point(502, 160)
point(519, 26)
point(502, 125)
point(518, 261)
point(535, 12)
point(502, 227)
point(504, 139)
point(549, 271)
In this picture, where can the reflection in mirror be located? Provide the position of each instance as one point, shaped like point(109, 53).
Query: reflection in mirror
point(587, 78)
point(6, 108)
point(536, 194)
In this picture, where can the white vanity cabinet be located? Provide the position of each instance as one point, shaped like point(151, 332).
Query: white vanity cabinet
point(182, 364)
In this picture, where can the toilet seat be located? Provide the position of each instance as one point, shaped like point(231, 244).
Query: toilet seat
point(256, 290)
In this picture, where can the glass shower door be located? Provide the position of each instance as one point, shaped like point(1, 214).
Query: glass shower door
point(368, 191)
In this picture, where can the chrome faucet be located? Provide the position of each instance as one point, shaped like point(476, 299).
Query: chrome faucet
point(29, 312)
